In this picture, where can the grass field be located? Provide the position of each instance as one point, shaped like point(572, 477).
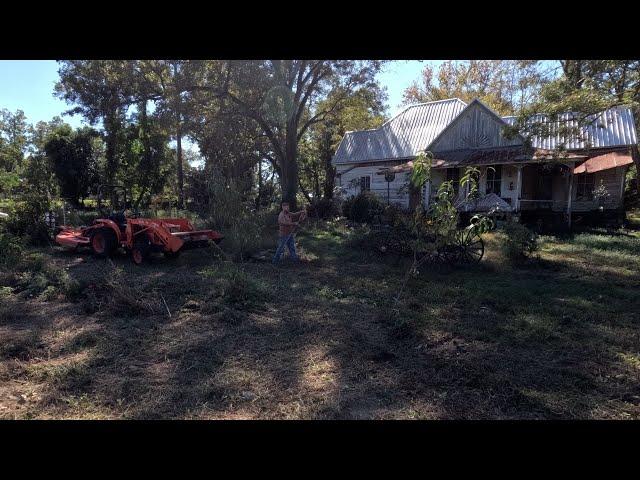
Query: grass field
point(556, 338)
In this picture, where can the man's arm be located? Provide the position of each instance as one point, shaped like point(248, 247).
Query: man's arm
point(283, 220)
point(298, 214)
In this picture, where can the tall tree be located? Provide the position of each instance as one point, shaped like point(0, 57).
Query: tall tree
point(163, 82)
point(74, 160)
point(147, 159)
point(503, 85)
point(38, 171)
point(102, 91)
point(361, 110)
point(283, 98)
point(14, 139)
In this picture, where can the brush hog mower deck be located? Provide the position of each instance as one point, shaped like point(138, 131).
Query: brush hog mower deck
point(140, 236)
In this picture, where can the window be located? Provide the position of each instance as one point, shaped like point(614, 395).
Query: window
point(453, 175)
point(494, 179)
point(365, 184)
point(584, 186)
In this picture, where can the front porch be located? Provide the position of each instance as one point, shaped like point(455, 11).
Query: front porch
point(512, 188)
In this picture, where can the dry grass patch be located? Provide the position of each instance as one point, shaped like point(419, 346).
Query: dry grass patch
point(556, 337)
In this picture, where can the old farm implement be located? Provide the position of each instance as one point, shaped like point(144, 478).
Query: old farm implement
point(139, 236)
point(464, 247)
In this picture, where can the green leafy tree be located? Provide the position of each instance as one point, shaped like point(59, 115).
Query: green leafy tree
point(283, 98)
point(163, 81)
point(360, 110)
point(74, 161)
point(14, 139)
point(37, 171)
point(503, 85)
point(102, 91)
point(146, 162)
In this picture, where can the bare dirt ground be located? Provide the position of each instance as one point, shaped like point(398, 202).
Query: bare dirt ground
point(198, 338)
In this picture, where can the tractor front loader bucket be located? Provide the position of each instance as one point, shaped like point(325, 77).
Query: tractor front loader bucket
point(198, 238)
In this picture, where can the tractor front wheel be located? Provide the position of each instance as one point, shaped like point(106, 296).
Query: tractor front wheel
point(172, 254)
point(140, 251)
point(103, 242)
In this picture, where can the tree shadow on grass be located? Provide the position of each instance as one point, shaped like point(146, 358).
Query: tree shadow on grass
point(474, 343)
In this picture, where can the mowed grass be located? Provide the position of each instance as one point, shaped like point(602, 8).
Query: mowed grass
point(557, 337)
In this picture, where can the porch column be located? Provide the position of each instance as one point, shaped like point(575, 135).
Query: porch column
point(518, 187)
point(569, 196)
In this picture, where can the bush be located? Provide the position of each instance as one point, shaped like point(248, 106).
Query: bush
point(117, 293)
point(225, 203)
point(233, 288)
point(518, 242)
point(10, 248)
point(27, 219)
point(248, 234)
point(324, 208)
point(365, 207)
point(346, 206)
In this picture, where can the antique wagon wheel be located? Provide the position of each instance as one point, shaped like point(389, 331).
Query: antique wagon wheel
point(401, 242)
point(470, 247)
point(449, 254)
point(381, 242)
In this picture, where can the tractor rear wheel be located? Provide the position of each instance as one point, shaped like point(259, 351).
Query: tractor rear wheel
point(140, 251)
point(103, 242)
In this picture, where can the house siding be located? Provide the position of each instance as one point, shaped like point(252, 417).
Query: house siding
point(613, 180)
point(378, 183)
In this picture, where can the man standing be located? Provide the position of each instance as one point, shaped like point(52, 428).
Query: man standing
point(287, 223)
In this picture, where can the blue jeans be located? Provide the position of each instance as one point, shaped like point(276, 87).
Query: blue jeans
point(290, 243)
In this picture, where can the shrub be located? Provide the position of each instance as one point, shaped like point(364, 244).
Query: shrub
point(518, 242)
point(365, 207)
point(27, 219)
point(393, 215)
point(248, 234)
point(225, 203)
point(324, 208)
point(346, 206)
point(232, 288)
point(116, 293)
point(10, 249)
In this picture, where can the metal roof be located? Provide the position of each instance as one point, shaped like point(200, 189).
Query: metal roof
point(489, 156)
point(406, 134)
point(613, 127)
point(414, 129)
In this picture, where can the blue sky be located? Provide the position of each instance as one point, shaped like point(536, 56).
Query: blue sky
point(28, 85)
point(398, 75)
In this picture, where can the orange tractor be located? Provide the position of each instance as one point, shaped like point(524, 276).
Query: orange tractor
point(140, 236)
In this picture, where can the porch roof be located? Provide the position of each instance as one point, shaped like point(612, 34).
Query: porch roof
point(604, 162)
point(488, 156)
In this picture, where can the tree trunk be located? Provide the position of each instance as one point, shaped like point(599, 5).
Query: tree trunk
point(144, 134)
point(289, 168)
point(111, 141)
point(179, 160)
point(329, 175)
point(316, 181)
point(259, 197)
